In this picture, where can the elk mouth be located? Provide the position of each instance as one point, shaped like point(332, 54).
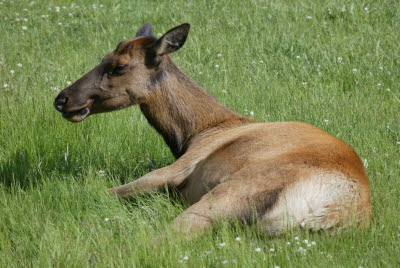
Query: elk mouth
point(77, 115)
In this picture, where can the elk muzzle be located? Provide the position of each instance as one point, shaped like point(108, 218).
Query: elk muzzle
point(71, 110)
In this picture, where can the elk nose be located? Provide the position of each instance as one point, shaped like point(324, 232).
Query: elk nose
point(60, 102)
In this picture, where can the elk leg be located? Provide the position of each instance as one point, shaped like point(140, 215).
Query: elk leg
point(228, 201)
point(172, 175)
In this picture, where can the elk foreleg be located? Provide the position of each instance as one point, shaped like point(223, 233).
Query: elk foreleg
point(172, 175)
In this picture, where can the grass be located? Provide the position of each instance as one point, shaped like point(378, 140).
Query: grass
point(279, 60)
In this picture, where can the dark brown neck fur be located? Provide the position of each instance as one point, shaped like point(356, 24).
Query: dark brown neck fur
point(179, 109)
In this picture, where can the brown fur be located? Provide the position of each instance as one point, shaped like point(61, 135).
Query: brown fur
point(227, 165)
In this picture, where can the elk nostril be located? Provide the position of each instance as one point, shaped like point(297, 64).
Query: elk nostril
point(60, 102)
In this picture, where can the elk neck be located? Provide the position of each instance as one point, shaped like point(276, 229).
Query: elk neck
point(179, 109)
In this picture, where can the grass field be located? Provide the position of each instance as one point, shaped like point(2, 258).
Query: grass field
point(334, 65)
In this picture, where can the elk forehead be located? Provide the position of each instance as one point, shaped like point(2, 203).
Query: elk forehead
point(133, 45)
point(127, 50)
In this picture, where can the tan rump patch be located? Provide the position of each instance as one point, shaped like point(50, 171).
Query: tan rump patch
point(321, 201)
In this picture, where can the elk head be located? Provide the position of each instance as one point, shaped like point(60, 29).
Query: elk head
point(124, 77)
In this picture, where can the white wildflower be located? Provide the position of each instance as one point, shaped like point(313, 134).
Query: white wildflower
point(25, 19)
point(297, 57)
point(366, 10)
point(185, 258)
point(225, 262)
point(326, 121)
point(70, 15)
point(19, 65)
point(60, 23)
point(102, 173)
point(379, 85)
point(24, 28)
point(388, 89)
point(258, 249)
point(238, 239)
point(12, 72)
point(354, 70)
point(219, 55)
point(216, 66)
point(272, 249)
point(309, 17)
point(301, 249)
point(261, 61)
point(224, 91)
point(5, 85)
point(106, 219)
point(251, 113)
point(200, 73)
point(223, 244)
point(313, 243)
point(339, 59)
point(69, 83)
point(288, 243)
point(296, 238)
point(305, 241)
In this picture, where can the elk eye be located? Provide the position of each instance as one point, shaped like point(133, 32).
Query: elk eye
point(120, 68)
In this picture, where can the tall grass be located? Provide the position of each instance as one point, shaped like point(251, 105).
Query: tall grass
point(331, 64)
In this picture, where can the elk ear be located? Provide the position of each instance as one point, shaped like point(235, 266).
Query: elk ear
point(145, 30)
point(172, 40)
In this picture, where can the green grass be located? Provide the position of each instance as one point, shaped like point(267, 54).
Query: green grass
point(53, 201)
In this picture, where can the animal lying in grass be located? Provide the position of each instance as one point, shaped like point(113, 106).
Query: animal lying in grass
point(280, 175)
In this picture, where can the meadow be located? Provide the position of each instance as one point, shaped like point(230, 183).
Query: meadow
point(333, 64)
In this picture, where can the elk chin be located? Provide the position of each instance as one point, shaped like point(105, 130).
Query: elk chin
point(76, 116)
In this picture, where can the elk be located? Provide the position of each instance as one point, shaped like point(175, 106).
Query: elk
point(277, 175)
